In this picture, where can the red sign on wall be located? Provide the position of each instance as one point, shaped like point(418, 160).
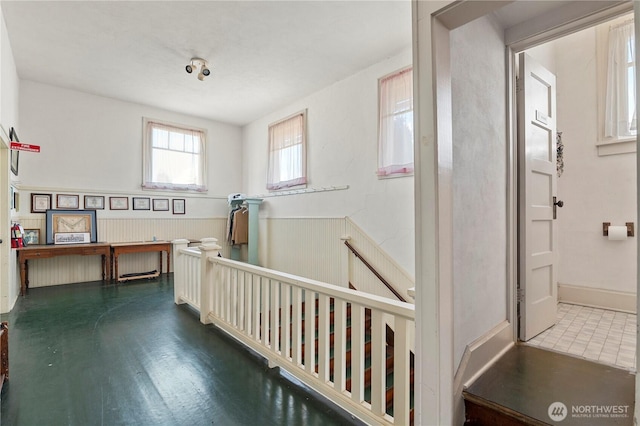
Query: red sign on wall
point(25, 147)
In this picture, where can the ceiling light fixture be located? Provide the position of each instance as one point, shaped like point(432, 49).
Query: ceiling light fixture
point(198, 63)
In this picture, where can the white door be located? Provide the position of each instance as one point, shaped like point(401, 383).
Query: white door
point(538, 249)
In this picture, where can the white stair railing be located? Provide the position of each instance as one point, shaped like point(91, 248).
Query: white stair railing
point(187, 265)
point(267, 311)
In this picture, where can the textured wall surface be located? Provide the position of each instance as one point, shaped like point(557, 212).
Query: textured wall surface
point(479, 181)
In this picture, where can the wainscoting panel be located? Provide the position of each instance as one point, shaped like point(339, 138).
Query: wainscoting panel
point(365, 280)
point(309, 247)
point(69, 269)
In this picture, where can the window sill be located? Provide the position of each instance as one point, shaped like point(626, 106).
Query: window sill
point(615, 147)
point(395, 175)
point(289, 188)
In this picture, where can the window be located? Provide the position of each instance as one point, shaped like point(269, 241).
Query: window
point(287, 152)
point(174, 157)
point(395, 133)
point(620, 103)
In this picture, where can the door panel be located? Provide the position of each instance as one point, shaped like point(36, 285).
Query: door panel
point(537, 186)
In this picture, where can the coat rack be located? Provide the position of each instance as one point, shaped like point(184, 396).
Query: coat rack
point(253, 205)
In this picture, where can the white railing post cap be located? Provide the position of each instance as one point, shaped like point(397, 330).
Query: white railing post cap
point(180, 241)
point(209, 247)
point(208, 240)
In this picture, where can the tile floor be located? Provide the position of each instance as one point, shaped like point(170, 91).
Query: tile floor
point(595, 334)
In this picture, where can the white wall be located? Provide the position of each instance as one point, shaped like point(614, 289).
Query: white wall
point(595, 188)
point(479, 181)
point(342, 150)
point(9, 90)
point(95, 143)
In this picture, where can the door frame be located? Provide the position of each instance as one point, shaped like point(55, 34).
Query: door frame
point(512, 51)
point(5, 223)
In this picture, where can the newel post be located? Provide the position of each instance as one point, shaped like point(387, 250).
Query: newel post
point(178, 269)
point(207, 279)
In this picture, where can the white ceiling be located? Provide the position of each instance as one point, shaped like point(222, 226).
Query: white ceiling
point(263, 55)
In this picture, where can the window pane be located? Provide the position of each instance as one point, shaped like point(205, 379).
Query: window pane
point(160, 138)
point(176, 141)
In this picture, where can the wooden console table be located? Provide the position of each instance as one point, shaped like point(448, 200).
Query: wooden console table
point(140, 247)
point(47, 251)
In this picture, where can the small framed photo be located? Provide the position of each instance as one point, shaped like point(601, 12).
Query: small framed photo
point(64, 201)
point(119, 203)
point(161, 204)
point(40, 203)
point(31, 236)
point(179, 206)
point(94, 202)
point(141, 203)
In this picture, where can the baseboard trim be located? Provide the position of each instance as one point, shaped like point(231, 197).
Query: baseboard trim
point(597, 298)
point(478, 356)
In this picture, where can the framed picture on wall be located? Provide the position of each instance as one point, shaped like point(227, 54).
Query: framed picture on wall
point(161, 204)
point(95, 202)
point(141, 203)
point(71, 226)
point(64, 201)
point(31, 236)
point(40, 203)
point(119, 203)
point(179, 206)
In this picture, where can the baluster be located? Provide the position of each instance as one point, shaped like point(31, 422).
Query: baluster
point(275, 315)
point(324, 325)
point(340, 345)
point(296, 337)
point(357, 353)
point(378, 363)
point(309, 331)
point(401, 373)
point(285, 346)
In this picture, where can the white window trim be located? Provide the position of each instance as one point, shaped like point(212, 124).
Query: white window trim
point(146, 159)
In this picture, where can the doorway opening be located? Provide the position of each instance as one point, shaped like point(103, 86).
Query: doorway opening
point(596, 278)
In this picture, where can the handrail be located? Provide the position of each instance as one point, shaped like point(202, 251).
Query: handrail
point(264, 310)
point(376, 273)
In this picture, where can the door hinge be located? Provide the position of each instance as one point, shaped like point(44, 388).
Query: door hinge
point(520, 295)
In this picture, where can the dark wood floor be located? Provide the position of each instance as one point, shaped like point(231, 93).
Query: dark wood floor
point(526, 381)
point(89, 354)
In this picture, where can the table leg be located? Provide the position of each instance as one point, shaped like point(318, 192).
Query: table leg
point(115, 267)
point(24, 277)
point(168, 260)
point(160, 253)
point(104, 263)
